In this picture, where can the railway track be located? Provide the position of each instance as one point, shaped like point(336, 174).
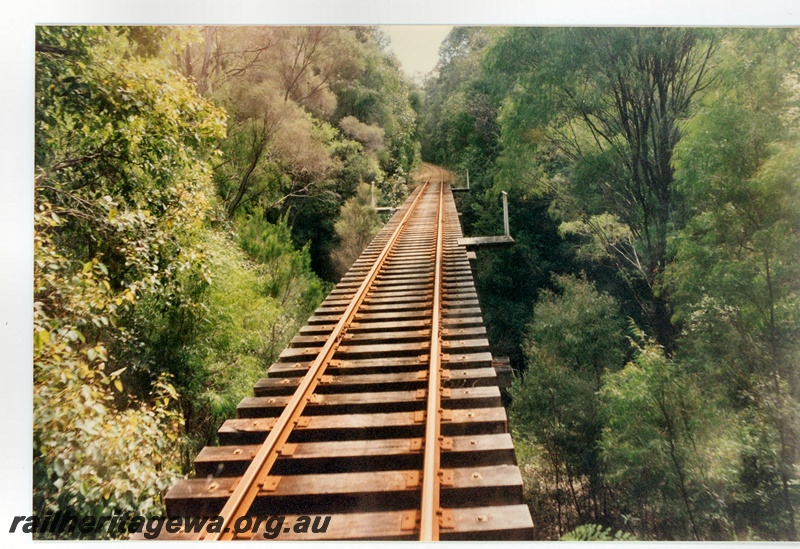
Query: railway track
point(384, 412)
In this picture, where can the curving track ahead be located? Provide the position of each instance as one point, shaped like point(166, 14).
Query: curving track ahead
point(384, 412)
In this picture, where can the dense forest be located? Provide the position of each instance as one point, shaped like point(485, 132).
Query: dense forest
point(198, 190)
point(651, 303)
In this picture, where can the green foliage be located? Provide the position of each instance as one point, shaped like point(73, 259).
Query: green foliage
point(371, 136)
point(574, 339)
point(289, 91)
point(461, 131)
point(88, 454)
point(138, 270)
point(592, 123)
point(742, 188)
point(286, 272)
point(669, 449)
point(252, 308)
point(259, 290)
point(121, 161)
point(595, 532)
point(357, 225)
point(121, 185)
point(135, 275)
point(735, 276)
point(380, 96)
point(579, 329)
point(459, 113)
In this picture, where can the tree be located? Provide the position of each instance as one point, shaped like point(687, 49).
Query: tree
point(575, 338)
point(122, 184)
point(273, 151)
point(357, 226)
point(275, 83)
point(668, 158)
point(669, 449)
point(379, 94)
point(598, 110)
point(159, 301)
point(288, 91)
point(734, 278)
point(449, 128)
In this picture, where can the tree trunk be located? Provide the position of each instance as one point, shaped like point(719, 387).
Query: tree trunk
point(202, 79)
point(664, 330)
point(244, 182)
point(678, 467)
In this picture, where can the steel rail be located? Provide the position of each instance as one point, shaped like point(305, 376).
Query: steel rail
point(430, 507)
point(239, 502)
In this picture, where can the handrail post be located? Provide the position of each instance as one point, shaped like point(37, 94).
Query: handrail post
point(467, 179)
point(505, 213)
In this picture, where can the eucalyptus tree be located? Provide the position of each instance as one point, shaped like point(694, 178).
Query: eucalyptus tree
point(313, 111)
point(592, 122)
point(275, 83)
point(577, 336)
point(122, 189)
point(735, 279)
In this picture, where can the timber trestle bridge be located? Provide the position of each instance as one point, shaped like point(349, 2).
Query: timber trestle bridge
point(384, 412)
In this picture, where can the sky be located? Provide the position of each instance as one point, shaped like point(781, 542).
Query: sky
point(416, 46)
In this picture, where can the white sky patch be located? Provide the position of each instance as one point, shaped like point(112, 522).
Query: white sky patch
point(416, 46)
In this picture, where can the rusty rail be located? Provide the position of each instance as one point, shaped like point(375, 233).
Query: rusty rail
point(430, 509)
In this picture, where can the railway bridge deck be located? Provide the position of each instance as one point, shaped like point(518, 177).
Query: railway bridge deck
point(384, 412)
